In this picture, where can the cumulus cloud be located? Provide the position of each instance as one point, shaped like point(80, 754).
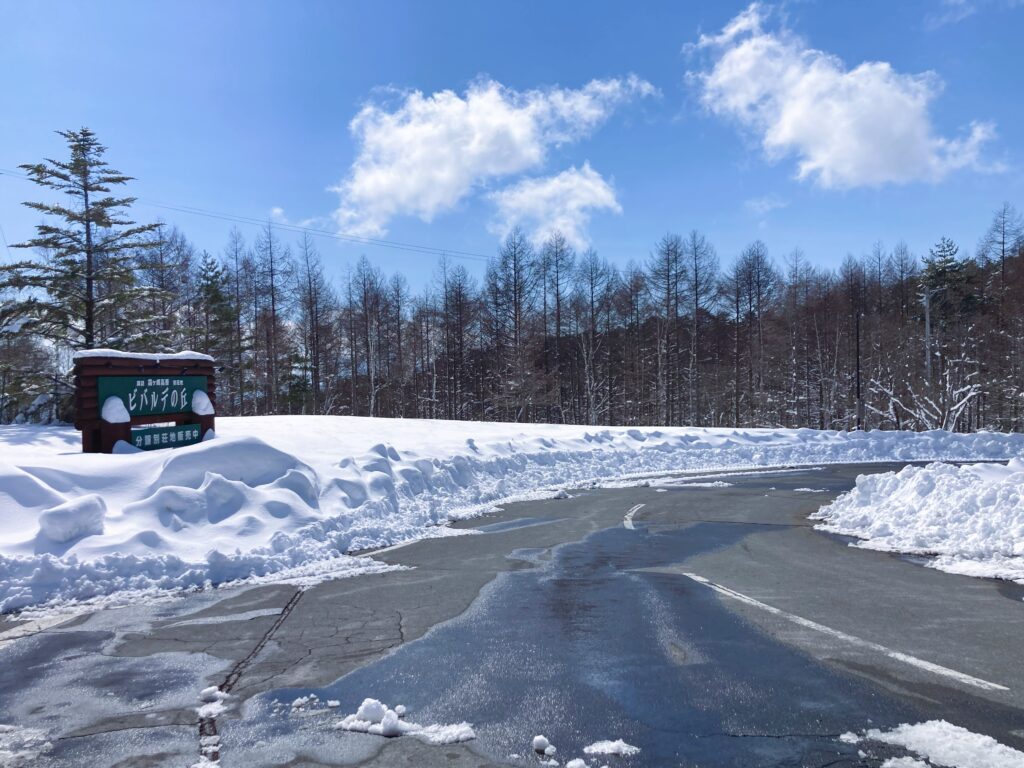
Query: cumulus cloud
point(424, 154)
point(561, 203)
point(864, 126)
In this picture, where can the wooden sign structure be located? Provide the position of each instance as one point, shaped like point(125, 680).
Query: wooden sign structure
point(122, 396)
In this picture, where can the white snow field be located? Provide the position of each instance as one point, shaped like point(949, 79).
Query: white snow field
point(970, 518)
point(288, 497)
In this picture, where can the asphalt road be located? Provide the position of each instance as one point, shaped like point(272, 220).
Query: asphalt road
point(706, 625)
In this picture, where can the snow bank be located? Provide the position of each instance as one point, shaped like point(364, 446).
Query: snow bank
point(971, 517)
point(291, 496)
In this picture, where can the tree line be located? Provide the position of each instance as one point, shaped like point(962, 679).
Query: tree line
point(890, 340)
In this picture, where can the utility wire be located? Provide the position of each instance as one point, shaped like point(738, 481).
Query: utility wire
point(355, 239)
point(3, 236)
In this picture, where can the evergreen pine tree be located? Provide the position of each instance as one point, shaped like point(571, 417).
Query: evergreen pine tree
point(81, 291)
point(216, 317)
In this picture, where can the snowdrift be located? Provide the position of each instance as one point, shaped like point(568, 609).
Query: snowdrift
point(971, 518)
point(291, 496)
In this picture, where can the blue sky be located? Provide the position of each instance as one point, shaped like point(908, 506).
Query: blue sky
point(442, 124)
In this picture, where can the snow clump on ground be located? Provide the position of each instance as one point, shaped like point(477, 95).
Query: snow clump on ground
point(617, 747)
point(377, 718)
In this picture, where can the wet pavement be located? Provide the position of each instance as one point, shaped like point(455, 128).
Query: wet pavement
point(562, 621)
point(588, 648)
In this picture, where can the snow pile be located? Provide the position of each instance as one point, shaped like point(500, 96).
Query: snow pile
point(377, 718)
point(22, 747)
point(290, 497)
point(211, 703)
point(971, 517)
point(617, 747)
point(945, 744)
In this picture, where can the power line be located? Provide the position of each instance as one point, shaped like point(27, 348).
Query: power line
point(3, 236)
point(355, 239)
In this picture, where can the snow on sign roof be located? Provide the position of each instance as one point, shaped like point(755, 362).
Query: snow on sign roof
point(186, 355)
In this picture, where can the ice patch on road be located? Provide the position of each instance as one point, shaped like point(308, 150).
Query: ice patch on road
point(375, 717)
point(970, 518)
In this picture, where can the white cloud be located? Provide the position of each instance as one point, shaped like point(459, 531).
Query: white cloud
point(562, 203)
point(951, 12)
point(955, 11)
point(278, 216)
point(762, 206)
point(424, 155)
point(865, 126)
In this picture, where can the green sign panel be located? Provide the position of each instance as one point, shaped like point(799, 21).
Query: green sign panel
point(150, 438)
point(151, 395)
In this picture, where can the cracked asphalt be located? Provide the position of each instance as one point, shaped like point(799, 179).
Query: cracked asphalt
point(555, 618)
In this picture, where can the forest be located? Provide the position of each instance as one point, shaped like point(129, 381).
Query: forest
point(680, 335)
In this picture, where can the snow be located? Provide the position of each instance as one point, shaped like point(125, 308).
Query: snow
point(22, 747)
point(376, 718)
point(73, 519)
point(372, 710)
point(158, 356)
point(577, 763)
point(293, 497)
point(945, 744)
point(617, 747)
point(201, 403)
point(971, 518)
point(540, 743)
point(114, 412)
point(211, 702)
